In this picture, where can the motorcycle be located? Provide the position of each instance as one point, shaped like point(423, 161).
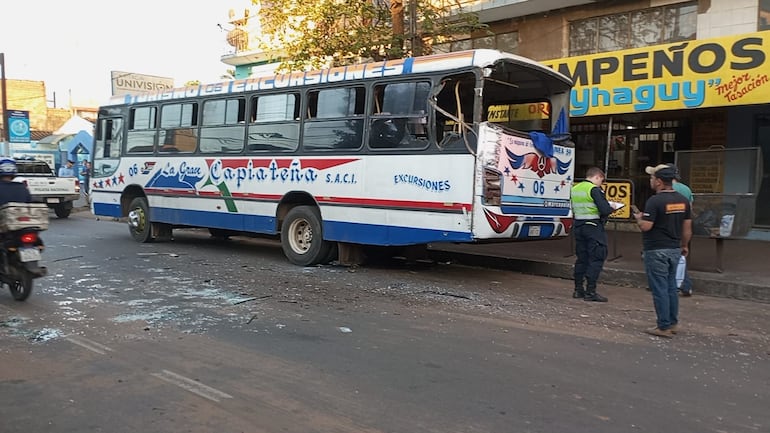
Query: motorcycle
point(21, 247)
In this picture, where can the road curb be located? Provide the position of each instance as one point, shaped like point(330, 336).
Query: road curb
point(703, 282)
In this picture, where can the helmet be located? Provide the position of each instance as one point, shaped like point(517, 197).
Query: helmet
point(8, 167)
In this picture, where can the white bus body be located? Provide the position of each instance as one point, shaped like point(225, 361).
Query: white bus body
point(481, 182)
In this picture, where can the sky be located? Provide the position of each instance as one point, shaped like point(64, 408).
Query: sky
point(72, 45)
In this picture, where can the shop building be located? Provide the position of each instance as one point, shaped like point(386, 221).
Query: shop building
point(655, 80)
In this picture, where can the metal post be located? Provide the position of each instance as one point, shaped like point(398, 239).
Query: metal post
point(615, 254)
point(720, 254)
point(6, 135)
point(416, 50)
point(609, 147)
point(571, 245)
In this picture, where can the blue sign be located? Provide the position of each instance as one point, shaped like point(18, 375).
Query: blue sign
point(18, 126)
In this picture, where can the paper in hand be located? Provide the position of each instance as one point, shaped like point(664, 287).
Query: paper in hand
point(616, 205)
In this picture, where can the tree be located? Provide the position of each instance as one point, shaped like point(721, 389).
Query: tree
point(323, 33)
point(228, 75)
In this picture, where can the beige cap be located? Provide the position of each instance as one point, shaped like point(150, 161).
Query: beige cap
point(652, 170)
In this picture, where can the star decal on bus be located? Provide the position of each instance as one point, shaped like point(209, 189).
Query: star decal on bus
point(110, 181)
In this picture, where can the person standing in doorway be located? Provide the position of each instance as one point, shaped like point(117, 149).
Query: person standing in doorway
point(66, 170)
point(86, 173)
point(591, 210)
point(666, 226)
point(686, 288)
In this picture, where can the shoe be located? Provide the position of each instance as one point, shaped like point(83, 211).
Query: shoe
point(577, 294)
point(685, 293)
point(674, 329)
point(594, 297)
point(665, 333)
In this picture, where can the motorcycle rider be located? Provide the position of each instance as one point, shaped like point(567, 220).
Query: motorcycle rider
point(17, 273)
point(11, 191)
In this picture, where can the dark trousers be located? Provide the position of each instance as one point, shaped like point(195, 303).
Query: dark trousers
point(591, 252)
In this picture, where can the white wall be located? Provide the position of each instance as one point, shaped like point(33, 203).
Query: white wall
point(728, 17)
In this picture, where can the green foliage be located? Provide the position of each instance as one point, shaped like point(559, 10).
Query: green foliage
point(315, 34)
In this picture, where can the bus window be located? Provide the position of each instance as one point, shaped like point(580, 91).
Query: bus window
point(457, 98)
point(400, 116)
point(223, 125)
point(274, 123)
point(179, 132)
point(107, 145)
point(141, 130)
point(335, 119)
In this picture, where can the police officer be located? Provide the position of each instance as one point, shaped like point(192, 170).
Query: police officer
point(11, 191)
point(591, 210)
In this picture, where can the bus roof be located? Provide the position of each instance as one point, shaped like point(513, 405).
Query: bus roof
point(412, 65)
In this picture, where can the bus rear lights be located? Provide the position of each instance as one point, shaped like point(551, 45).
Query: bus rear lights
point(492, 190)
point(567, 223)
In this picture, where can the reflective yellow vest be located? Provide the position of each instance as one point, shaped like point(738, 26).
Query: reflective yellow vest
point(583, 205)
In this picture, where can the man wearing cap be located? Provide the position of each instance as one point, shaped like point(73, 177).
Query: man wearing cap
point(591, 210)
point(67, 170)
point(666, 226)
point(681, 188)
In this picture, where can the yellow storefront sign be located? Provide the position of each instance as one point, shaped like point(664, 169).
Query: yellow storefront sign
point(733, 70)
point(511, 112)
point(620, 191)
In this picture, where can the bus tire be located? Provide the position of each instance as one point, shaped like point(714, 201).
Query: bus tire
point(139, 220)
point(302, 237)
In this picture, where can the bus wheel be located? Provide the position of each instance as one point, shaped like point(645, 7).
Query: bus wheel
point(302, 237)
point(139, 220)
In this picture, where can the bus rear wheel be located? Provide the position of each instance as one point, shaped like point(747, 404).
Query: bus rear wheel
point(139, 220)
point(302, 237)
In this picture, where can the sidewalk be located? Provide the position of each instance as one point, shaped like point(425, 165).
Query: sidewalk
point(745, 268)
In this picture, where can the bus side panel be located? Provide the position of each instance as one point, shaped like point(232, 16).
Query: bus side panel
point(534, 187)
point(404, 200)
point(106, 203)
point(380, 200)
point(415, 227)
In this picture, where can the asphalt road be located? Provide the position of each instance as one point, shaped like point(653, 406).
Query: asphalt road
point(199, 335)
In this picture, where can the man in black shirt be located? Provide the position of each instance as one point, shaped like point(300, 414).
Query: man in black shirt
point(666, 226)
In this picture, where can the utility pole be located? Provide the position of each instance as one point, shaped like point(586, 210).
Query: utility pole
point(415, 41)
point(6, 138)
